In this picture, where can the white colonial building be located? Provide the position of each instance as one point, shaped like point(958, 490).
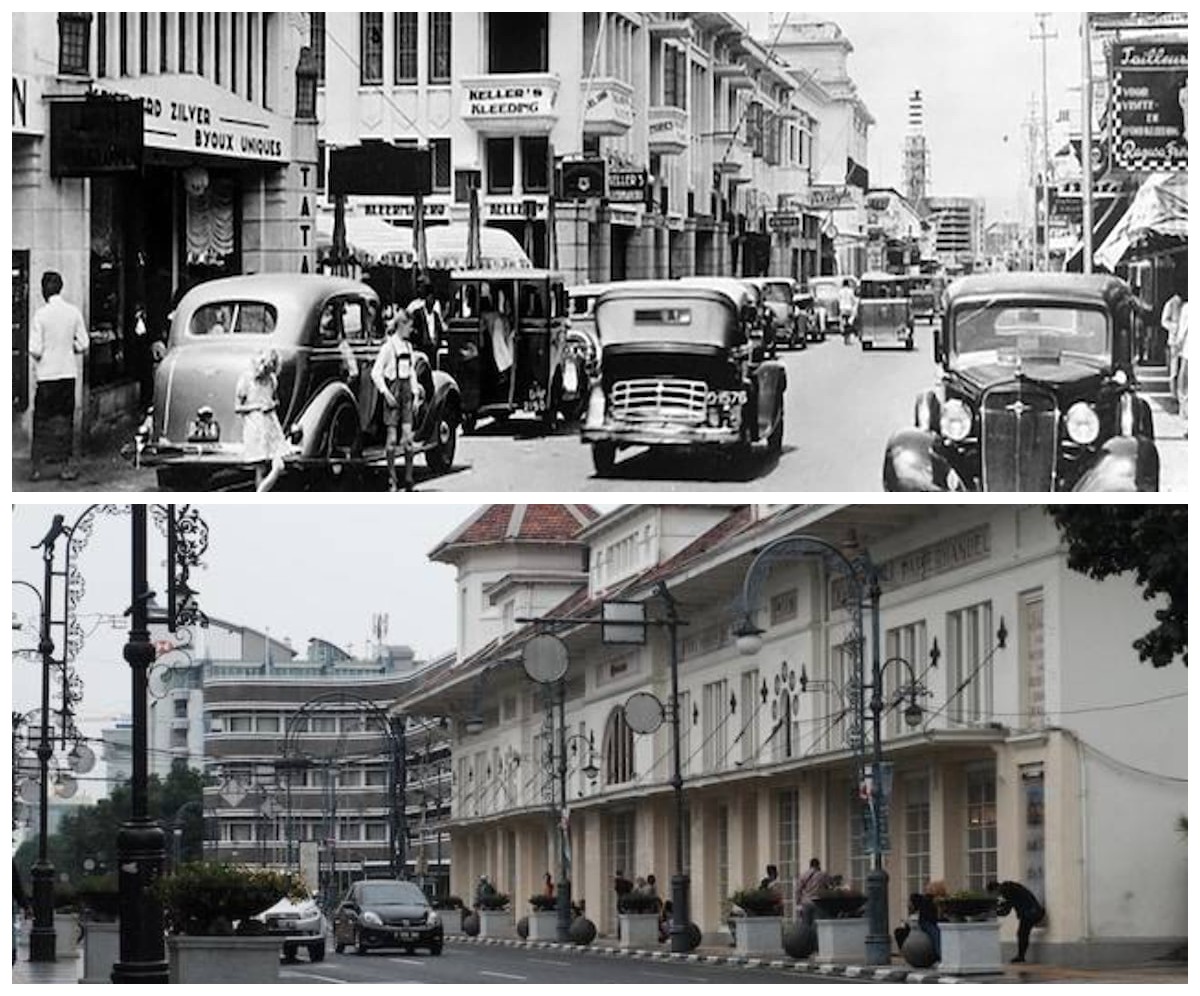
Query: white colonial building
point(1043, 751)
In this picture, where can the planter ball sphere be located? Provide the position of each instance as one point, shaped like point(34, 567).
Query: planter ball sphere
point(523, 927)
point(918, 949)
point(694, 936)
point(800, 940)
point(470, 925)
point(583, 931)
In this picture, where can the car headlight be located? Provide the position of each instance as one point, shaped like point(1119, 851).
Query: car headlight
point(434, 918)
point(956, 420)
point(371, 919)
point(1083, 424)
point(596, 406)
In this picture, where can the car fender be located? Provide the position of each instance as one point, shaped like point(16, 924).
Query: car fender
point(317, 414)
point(914, 461)
point(772, 385)
point(1124, 463)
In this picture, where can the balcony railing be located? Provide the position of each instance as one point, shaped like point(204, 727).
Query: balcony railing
point(609, 106)
point(511, 103)
point(668, 127)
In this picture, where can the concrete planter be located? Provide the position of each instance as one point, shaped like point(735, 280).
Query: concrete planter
point(841, 941)
point(543, 925)
point(66, 935)
point(756, 936)
point(639, 930)
point(971, 948)
point(496, 923)
point(101, 950)
point(451, 921)
point(216, 960)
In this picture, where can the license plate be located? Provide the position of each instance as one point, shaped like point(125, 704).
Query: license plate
point(204, 432)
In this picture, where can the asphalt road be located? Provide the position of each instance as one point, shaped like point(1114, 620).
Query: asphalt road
point(473, 964)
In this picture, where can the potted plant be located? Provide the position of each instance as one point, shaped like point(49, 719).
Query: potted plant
point(210, 909)
point(495, 917)
point(543, 921)
point(967, 905)
point(639, 920)
point(841, 926)
point(759, 928)
point(450, 909)
point(99, 903)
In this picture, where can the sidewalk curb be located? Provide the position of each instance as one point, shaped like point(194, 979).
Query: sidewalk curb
point(863, 972)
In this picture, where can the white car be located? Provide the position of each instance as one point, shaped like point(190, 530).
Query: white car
point(300, 924)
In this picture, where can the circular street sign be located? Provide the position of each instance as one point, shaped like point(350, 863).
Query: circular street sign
point(545, 659)
point(81, 759)
point(643, 712)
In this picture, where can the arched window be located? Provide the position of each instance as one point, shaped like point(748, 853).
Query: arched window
point(618, 749)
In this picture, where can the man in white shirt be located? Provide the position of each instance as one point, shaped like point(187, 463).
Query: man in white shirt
point(58, 334)
point(848, 307)
point(395, 375)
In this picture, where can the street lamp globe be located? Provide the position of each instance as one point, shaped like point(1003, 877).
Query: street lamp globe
point(749, 638)
point(913, 714)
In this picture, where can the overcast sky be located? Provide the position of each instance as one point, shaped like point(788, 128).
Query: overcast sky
point(977, 72)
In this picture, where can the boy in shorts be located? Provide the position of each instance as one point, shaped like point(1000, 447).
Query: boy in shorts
point(395, 375)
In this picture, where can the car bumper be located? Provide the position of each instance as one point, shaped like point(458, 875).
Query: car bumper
point(663, 435)
point(388, 936)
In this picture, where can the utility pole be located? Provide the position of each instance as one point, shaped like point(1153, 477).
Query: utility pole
point(1085, 153)
point(1044, 36)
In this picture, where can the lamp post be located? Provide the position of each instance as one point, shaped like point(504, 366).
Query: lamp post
point(41, 938)
point(863, 578)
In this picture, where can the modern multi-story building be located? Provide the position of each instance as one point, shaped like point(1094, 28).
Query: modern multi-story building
point(709, 152)
point(306, 768)
point(151, 151)
point(899, 237)
point(1040, 750)
point(958, 229)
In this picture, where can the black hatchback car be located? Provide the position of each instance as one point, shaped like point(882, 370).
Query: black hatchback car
point(1037, 392)
point(386, 913)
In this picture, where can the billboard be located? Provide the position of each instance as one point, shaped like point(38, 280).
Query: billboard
point(1149, 86)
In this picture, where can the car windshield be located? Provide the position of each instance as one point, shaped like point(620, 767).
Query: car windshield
point(392, 894)
point(234, 318)
point(825, 292)
point(779, 293)
point(1004, 332)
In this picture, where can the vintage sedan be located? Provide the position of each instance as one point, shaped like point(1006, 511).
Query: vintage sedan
point(1037, 393)
point(326, 332)
point(826, 292)
point(386, 913)
point(884, 311)
point(680, 368)
point(779, 298)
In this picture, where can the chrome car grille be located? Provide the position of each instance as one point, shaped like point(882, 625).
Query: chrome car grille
point(1020, 439)
point(679, 402)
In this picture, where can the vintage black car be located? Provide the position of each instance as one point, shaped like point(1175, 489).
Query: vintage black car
point(326, 332)
point(386, 913)
point(680, 368)
point(1037, 393)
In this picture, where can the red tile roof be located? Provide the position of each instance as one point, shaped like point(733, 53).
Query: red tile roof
point(519, 523)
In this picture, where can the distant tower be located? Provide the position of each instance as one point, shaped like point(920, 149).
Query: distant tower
point(916, 152)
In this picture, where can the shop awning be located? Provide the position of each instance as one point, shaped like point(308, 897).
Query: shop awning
point(1158, 216)
point(375, 242)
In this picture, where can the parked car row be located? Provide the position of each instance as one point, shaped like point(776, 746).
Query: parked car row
point(1037, 390)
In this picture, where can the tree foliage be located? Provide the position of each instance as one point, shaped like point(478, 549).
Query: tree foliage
point(1149, 540)
point(91, 831)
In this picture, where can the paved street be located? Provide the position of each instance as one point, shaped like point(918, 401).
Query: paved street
point(842, 404)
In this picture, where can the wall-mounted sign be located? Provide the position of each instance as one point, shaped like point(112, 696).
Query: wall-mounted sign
point(190, 114)
point(1149, 130)
point(28, 115)
point(380, 168)
point(609, 108)
point(667, 130)
point(400, 208)
point(627, 186)
point(929, 561)
point(93, 135)
point(779, 221)
point(510, 108)
point(825, 198)
point(515, 208)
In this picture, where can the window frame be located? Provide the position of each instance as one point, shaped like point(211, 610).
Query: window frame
point(406, 46)
point(370, 52)
point(494, 142)
point(441, 37)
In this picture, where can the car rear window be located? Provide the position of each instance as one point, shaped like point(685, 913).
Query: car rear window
point(779, 293)
point(662, 316)
point(234, 318)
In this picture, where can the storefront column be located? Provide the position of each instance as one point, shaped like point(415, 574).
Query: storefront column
point(279, 212)
point(640, 259)
point(590, 877)
point(600, 248)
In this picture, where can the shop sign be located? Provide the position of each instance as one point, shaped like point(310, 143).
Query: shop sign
point(627, 186)
point(1137, 20)
point(825, 198)
point(932, 560)
point(1149, 132)
point(93, 136)
point(515, 209)
point(28, 116)
point(780, 221)
point(619, 214)
point(609, 106)
point(487, 102)
point(667, 130)
point(380, 168)
point(189, 114)
point(401, 209)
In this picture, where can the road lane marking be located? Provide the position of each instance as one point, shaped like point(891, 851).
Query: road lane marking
point(547, 961)
point(292, 973)
point(503, 975)
point(409, 961)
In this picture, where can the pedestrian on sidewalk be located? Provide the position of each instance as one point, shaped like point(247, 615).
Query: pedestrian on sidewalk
point(395, 375)
point(622, 887)
point(807, 887)
point(263, 441)
point(924, 908)
point(57, 335)
point(20, 906)
point(548, 886)
point(1014, 897)
point(848, 307)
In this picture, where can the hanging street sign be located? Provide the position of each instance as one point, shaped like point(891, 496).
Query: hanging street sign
point(1149, 128)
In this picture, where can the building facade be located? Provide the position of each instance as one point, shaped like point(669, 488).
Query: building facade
point(215, 177)
point(1041, 751)
point(708, 141)
point(958, 224)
